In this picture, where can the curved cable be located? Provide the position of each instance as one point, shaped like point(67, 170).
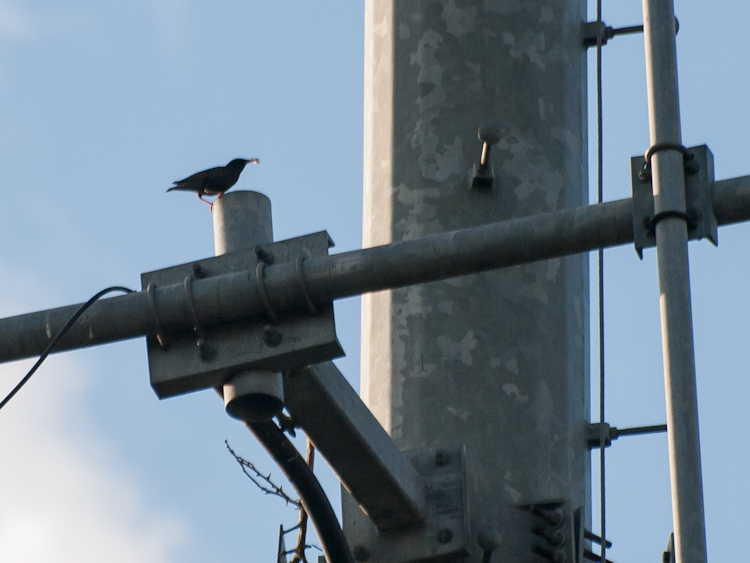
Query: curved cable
point(58, 337)
point(313, 498)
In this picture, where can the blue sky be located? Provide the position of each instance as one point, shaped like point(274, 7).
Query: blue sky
point(104, 105)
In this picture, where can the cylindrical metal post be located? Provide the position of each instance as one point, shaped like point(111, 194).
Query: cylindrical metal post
point(242, 221)
point(674, 282)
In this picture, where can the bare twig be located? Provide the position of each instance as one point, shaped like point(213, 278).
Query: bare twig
point(269, 488)
point(264, 483)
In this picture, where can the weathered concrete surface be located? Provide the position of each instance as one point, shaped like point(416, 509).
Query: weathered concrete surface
point(498, 361)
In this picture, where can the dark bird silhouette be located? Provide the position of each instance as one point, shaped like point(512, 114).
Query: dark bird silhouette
point(214, 180)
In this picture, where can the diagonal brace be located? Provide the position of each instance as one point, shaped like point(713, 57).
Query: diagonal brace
point(365, 458)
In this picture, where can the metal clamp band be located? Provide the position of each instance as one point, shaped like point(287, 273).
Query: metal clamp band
point(653, 149)
point(688, 158)
point(303, 285)
point(690, 221)
point(206, 351)
point(160, 336)
point(262, 292)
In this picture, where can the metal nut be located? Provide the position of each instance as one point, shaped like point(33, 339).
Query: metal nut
point(263, 256)
point(445, 535)
point(271, 335)
point(442, 458)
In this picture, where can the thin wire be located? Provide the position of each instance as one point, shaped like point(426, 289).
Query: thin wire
point(600, 184)
point(58, 337)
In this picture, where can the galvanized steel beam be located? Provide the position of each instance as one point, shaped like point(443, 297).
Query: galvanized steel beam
point(445, 255)
point(374, 471)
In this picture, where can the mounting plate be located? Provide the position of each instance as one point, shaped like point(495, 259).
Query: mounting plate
point(698, 199)
point(444, 535)
point(299, 339)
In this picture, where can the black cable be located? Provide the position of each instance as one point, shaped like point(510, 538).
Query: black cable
point(311, 494)
point(58, 337)
point(600, 194)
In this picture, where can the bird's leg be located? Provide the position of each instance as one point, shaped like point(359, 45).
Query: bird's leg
point(200, 197)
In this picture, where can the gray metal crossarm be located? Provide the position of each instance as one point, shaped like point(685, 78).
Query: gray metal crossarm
point(235, 296)
point(367, 461)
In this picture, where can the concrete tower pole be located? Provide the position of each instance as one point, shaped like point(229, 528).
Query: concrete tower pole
point(498, 361)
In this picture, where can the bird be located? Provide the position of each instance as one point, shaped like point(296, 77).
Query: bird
point(214, 180)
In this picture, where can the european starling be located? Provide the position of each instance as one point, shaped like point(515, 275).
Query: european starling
point(214, 180)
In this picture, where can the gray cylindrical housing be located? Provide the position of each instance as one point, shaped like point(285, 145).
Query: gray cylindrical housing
point(242, 220)
point(254, 396)
point(499, 360)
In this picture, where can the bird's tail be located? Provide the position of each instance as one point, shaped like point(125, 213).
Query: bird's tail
point(178, 187)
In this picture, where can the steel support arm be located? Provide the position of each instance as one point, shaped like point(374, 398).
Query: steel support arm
point(381, 479)
point(235, 296)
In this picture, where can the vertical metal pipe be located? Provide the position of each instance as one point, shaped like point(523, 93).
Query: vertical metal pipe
point(242, 221)
point(674, 284)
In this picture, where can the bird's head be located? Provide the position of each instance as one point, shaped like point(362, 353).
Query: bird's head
point(239, 163)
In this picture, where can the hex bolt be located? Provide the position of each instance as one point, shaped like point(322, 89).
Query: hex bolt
point(263, 256)
point(554, 537)
point(442, 458)
point(488, 541)
point(361, 553)
point(271, 335)
point(205, 350)
point(554, 517)
point(445, 535)
point(198, 271)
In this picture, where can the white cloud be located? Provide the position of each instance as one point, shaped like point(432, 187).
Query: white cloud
point(14, 22)
point(64, 495)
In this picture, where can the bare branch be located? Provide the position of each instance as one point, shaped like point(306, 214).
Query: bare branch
point(263, 482)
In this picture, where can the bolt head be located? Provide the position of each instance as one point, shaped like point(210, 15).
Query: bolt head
point(271, 335)
point(489, 540)
point(489, 134)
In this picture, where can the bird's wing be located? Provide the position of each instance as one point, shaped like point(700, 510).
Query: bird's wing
point(199, 177)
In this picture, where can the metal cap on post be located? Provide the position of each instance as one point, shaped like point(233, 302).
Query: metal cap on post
point(243, 221)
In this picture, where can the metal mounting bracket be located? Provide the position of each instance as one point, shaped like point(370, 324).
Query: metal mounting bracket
point(292, 340)
point(444, 535)
point(698, 198)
